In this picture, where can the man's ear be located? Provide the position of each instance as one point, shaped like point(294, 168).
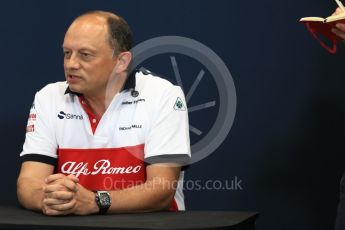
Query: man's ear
point(123, 61)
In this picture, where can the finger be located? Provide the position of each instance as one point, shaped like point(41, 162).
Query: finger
point(54, 177)
point(73, 178)
point(65, 182)
point(50, 201)
point(60, 195)
point(338, 11)
point(63, 207)
point(54, 188)
point(340, 26)
point(51, 212)
point(339, 33)
point(58, 176)
point(68, 183)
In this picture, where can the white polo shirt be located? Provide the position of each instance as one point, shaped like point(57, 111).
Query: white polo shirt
point(147, 122)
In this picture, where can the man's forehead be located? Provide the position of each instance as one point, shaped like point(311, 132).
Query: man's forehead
point(87, 23)
point(87, 30)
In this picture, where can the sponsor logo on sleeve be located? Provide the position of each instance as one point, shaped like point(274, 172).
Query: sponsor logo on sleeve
point(179, 105)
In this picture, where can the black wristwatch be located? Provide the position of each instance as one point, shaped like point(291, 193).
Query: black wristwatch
point(103, 200)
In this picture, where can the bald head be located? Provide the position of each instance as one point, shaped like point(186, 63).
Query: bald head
point(118, 33)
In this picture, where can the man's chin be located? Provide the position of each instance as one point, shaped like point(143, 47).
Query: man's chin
point(75, 89)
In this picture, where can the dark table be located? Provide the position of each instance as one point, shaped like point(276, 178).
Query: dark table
point(18, 218)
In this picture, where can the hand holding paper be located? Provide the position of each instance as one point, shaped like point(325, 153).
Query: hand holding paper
point(339, 29)
point(331, 28)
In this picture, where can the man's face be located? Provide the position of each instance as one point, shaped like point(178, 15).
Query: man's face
point(88, 56)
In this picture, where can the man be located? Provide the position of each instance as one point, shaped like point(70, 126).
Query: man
point(340, 28)
point(106, 140)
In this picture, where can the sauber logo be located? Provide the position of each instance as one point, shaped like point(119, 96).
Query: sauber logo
point(100, 167)
point(63, 115)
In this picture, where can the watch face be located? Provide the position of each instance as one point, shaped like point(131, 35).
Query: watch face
point(104, 199)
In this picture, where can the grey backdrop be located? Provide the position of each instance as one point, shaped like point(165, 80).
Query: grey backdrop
point(287, 141)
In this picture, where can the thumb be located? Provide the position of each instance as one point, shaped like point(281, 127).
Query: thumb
point(73, 178)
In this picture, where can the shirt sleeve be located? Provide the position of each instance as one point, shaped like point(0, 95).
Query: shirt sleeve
point(168, 137)
point(40, 142)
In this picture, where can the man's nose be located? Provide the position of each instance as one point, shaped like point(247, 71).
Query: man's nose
point(72, 62)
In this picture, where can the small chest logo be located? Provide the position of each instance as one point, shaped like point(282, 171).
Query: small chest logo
point(63, 115)
point(134, 102)
point(124, 128)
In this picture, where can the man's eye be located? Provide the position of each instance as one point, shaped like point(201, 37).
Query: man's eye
point(67, 53)
point(85, 54)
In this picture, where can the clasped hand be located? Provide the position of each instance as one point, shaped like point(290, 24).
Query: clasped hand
point(339, 29)
point(63, 195)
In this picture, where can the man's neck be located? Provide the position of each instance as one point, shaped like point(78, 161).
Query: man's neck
point(100, 101)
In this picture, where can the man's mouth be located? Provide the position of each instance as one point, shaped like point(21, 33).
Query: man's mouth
point(73, 78)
